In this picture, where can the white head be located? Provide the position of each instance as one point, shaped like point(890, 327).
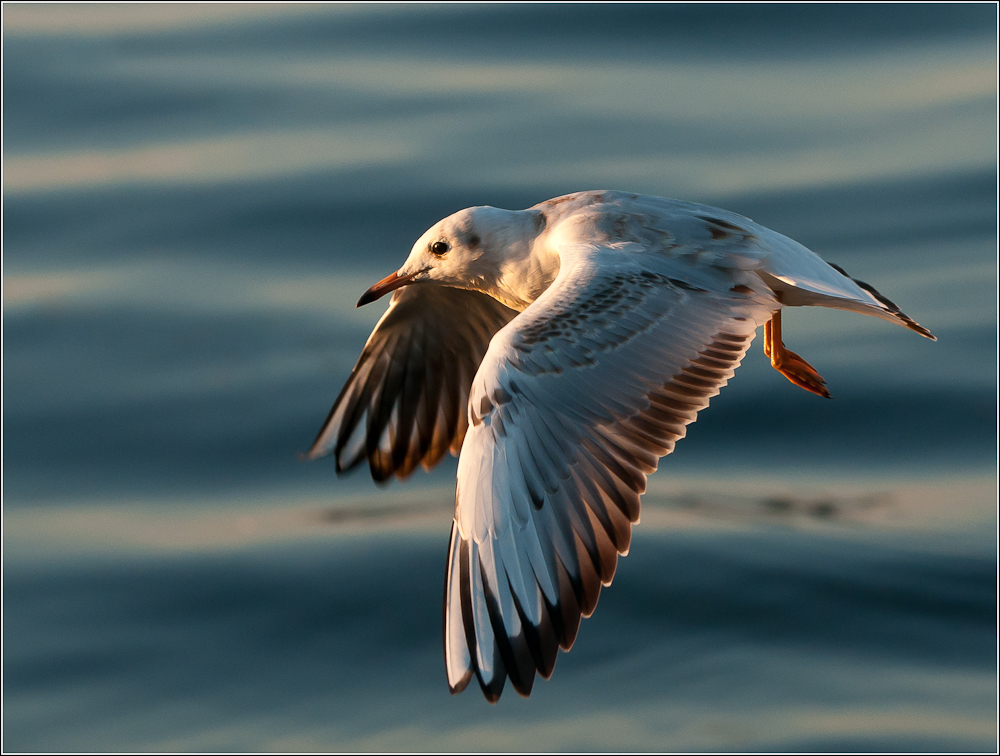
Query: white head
point(473, 249)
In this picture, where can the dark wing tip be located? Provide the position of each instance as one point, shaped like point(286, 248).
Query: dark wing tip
point(915, 326)
point(493, 688)
point(461, 684)
point(889, 304)
point(524, 691)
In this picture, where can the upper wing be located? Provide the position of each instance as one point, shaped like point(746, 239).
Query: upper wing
point(574, 404)
point(405, 401)
point(702, 233)
point(797, 274)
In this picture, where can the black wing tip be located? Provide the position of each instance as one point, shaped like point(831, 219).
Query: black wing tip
point(893, 308)
point(524, 691)
point(913, 325)
point(461, 684)
point(378, 476)
point(494, 688)
point(916, 327)
point(888, 303)
point(546, 674)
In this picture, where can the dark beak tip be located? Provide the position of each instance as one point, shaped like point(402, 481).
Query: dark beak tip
point(370, 296)
point(390, 283)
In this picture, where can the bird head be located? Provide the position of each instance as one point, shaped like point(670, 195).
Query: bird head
point(467, 250)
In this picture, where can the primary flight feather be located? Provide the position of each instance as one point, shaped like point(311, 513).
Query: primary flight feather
point(561, 351)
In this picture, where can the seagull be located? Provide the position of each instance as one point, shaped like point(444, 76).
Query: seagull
point(560, 351)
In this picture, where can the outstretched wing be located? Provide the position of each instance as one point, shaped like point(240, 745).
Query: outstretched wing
point(571, 409)
point(405, 402)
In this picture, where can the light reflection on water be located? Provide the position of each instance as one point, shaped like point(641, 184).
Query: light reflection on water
point(194, 197)
point(708, 129)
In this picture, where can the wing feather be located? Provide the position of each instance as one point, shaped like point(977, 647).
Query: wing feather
point(456, 647)
point(571, 409)
point(404, 403)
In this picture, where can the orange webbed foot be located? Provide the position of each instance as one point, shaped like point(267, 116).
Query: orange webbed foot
point(802, 374)
point(789, 364)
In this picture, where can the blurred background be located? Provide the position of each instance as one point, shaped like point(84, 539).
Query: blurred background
point(194, 197)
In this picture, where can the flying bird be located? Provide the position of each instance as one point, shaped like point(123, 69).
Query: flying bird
point(560, 351)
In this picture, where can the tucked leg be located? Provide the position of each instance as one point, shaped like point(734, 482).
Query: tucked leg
point(789, 364)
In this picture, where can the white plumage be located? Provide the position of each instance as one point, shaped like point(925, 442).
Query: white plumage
point(569, 345)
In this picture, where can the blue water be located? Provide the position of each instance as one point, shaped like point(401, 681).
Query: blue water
point(194, 198)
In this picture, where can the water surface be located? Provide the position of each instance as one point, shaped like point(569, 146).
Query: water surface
point(194, 197)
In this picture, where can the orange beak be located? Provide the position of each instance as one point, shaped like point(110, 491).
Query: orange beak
point(389, 283)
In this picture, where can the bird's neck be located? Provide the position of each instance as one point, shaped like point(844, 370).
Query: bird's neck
point(527, 271)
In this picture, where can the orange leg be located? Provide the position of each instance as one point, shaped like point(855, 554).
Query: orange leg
point(789, 364)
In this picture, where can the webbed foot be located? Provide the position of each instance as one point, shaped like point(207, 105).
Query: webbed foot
point(789, 364)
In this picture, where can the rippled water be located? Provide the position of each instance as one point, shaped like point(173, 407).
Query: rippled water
point(194, 197)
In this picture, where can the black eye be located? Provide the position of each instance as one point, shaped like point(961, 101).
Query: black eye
point(440, 248)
